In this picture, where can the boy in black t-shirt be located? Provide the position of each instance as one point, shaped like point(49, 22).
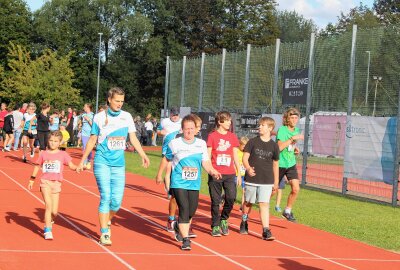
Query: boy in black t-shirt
point(260, 159)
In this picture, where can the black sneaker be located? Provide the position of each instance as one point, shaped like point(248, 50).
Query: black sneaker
point(244, 227)
point(289, 216)
point(186, 244)
point(24, 159)
point(267, 235)
point(178, 236)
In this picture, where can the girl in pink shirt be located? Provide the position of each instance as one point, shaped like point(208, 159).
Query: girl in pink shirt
point(52, 162)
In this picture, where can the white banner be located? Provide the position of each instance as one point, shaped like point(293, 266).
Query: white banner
point(370, 148)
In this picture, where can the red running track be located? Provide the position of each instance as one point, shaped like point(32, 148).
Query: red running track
point(140, 240)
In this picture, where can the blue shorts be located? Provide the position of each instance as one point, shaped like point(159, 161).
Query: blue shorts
point(111, 184)
point(243, 183)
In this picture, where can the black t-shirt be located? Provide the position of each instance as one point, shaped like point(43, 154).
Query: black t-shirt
point(262, 155)
point(43, 122)
point(8, 123)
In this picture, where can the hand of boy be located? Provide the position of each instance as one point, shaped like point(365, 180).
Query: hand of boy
point(30, 185)
point(79, 168)
point(251, 172)
point(238, 181)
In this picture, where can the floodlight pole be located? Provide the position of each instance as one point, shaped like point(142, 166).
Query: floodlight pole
point(366, 87)
point(98, 75)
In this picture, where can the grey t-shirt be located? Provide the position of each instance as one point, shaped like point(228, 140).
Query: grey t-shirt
point(17, 115)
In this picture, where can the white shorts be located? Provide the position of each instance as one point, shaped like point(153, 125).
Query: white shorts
point(260, 194)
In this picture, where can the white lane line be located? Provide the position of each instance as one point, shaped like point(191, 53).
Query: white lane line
point(259, 235)
point(162, 227)
point(73, 225)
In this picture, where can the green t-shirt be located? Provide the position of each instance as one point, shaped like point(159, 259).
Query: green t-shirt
point(287, 157)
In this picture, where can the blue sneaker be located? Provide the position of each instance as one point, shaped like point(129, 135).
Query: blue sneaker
point(278, 209)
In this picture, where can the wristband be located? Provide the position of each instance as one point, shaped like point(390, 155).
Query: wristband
point(33, 177)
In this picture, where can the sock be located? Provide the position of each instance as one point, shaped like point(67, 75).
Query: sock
point(244, 217)
point(288, 210)
point(171, 218)
point(47, 229)
point(265, 229)
point(104, 230)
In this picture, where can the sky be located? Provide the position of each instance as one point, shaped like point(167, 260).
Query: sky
point(320, 11)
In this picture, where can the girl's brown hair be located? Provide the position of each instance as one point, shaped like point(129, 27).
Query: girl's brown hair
point(288, 113)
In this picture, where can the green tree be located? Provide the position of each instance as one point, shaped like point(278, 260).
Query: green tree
point(46, 79)
point(294, 27)
point(16, 25)
point(388, 11)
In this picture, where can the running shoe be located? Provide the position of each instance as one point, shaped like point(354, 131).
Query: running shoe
point(32, 152)
point(48, 235)
point(178, 236)
point(267, 235)
point(169, 225)
point(289, 216)
point(224, 227)
point(105, 239)
point(244, 227)
point(278, 209)
point(192, 234)
point(24, 159)
point(216, 231)
point(186, 244)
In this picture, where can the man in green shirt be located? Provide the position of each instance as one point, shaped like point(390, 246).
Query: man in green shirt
point(287, 136)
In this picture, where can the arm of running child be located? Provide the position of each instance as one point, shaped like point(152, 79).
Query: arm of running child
point(136, 144)
point(89, 148)
point(33, 177)
point(275, 168)
point(237, 165)
point(250, 170)
point(161, 169)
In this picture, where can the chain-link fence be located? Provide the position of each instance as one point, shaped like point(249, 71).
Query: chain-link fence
point(361, 66)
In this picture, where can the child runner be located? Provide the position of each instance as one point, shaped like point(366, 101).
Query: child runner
point(29, 132)
point(110, 129)
point(260, 159)
point(287, 136)
point(188, 154)
point(8, 129)
point(242, 143)
point(51, 161)
point(223, 149)
point(65, 136)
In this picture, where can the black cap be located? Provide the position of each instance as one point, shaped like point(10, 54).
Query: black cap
point(174, 111)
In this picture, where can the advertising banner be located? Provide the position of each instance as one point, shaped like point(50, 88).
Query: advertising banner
point(295, 83)
point(370, 148)
point(328, 135)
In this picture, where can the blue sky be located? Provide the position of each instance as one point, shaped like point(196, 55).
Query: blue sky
point(321, 11)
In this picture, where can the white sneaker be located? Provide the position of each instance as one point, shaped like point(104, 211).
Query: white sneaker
point(48, 235)
point(105, 239)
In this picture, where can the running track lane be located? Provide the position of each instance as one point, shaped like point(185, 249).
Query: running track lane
point(138, 236)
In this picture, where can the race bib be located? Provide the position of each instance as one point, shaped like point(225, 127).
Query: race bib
point(51, 166)
point(116, 143)
point(242, 170)
point(189, 173)
point(34, 131)
point(224, 160)
point(290, 148)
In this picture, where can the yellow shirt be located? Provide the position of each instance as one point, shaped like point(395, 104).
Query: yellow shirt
point(65, 139)
point(242, 170)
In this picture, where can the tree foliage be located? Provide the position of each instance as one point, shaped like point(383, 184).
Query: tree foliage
point(294, 27)
point(47, 78)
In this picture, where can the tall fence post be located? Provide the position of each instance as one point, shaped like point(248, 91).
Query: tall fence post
point(308, 108)
point(221, 93)
point(166, 88)
point(276, 76)
point(395, 189)
point(350, 98)
point(203, 58)
point(246, 80)
point(183, 81)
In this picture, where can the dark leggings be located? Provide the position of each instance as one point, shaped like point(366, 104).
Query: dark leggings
point(43, 137)
point(187, 201)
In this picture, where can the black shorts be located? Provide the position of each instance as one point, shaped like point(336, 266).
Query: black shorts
point(29, 135)
point(9, 132)
point(290, 173)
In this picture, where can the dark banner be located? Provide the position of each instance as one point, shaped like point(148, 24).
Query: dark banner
point(295, 83)
point(249, 122)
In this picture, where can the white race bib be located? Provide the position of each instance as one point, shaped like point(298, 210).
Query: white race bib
point(189, 173)
point(51, 166)
point(224, 160)
point(116, 143)
point(242, 170)
point(290, 148)
point(34, 131)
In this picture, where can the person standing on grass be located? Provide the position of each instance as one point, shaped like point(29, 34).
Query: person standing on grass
point(149, 130)
point(51, 161)
point(260, 159)
point(188, 155)
point(286, 137)
point(223, 149)
point(110, 129)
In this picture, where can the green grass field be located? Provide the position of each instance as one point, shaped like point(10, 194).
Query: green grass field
point(371, 223)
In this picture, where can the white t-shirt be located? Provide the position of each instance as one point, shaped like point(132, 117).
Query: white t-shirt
point(149, 125)
point(18, 116)
point(169, 126)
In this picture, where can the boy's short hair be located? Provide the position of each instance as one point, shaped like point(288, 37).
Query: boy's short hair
point(56, 133)
point(197, 121)
point(243, 140)
point(288, 113)
point(45, 105)
point(221, 116)
point(267, 120)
